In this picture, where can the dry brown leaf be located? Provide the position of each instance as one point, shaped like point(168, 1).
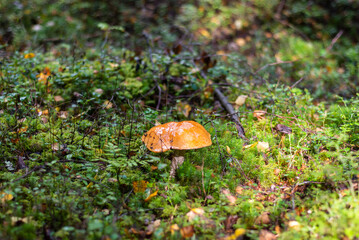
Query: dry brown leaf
point(55, 147)
point(232, 199)
point(239, 190)
point(58, 99)
point(240, 101)
point(266, 235)
point(283, 129)
point(63, 114)
point(153, 226)
point(98, 91)
point(259, 114)
point(263, 219)
point(187, 231)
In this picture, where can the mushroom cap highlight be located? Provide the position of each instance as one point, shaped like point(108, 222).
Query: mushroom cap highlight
point(177, 135)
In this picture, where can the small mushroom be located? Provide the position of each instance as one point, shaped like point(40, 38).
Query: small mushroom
point(179, 136)
point(283, 129)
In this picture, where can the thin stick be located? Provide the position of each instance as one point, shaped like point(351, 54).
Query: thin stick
point(230, 110)
point(335, 39)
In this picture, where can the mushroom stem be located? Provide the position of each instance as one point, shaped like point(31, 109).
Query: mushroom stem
point(177, 161)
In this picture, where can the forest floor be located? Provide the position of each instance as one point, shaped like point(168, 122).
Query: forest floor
point(73, 112)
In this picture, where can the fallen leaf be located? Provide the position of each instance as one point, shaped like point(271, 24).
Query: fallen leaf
point(58, 99)
point(99, 91)
point(55, 147)
point(239, 190)
point(112, 180)
point(283, 129)
point(204, 32)
point(241, 100)
point(187, 231)
point(250, 145)
point(23, 129)
point(194, 213)
point(29, 55)
point(228, 150)
point(113, 65)
point(262, 146)
point(63, 114)
point(107, 104)
point(139, 186)
point(239, 232)
point(229, 222)
point(266, 235)
point(259, 114)
point(5, 197)
point(151, 196)
point(152, 226)
point(174, 228)
point(240, 42)
point(263, 219)
point(44, 75)
point(294, 225)
point(232, 199)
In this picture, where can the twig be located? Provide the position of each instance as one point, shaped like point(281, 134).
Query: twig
point(335, 39)
point(240, 168)
point(295, 84)
point(219, 149)
point(273, 64)
point(230, 110)
point(204, 190)
point(23, 176)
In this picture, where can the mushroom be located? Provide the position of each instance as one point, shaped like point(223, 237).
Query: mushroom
point(179, 136)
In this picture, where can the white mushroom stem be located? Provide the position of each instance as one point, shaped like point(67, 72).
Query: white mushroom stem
point(176, 162)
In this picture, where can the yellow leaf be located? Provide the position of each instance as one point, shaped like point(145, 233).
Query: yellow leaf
point(5, 197)
point(44, 75)
point(174, 228)
point(23, 129)
point(228, 150)
point(151, 196)
point(139, 186)
point(198, 211)
point(239, 232)
point(29, 55)
point(204, 32)
point(250, 145)
point(107, 104)
point(113, 65)
point(90, 185)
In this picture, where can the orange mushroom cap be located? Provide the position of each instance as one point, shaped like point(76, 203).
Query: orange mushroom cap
point(177, 135)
